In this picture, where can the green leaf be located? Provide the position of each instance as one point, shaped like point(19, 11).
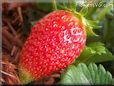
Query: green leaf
point(105, 10)
point(83, 68)
point(95, 52)
point(102, 72)
point(72, 5)
point(94, 24)
point(88, 27)
point(108, 33)
point(93, 70)
point(74, 76)
point(85, 55)
point(98, 47)
point(89, 75)
point(92, 9)
point(84, 10)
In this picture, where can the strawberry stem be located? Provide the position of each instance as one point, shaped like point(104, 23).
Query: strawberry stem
point(72, 4)
point(54, 4)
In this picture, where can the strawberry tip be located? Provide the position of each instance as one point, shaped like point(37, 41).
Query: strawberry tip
point(25, 77)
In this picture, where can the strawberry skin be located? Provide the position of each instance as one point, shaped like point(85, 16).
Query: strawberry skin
point(53, 44)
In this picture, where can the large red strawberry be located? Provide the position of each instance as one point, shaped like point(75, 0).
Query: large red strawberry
point(54, 43)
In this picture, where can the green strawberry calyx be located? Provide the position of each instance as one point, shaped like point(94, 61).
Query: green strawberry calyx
point(86, 23)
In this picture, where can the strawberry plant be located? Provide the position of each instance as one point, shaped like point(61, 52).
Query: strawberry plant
point(70, 38)
point(92, 75)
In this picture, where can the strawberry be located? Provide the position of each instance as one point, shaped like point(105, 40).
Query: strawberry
point(53, 44)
